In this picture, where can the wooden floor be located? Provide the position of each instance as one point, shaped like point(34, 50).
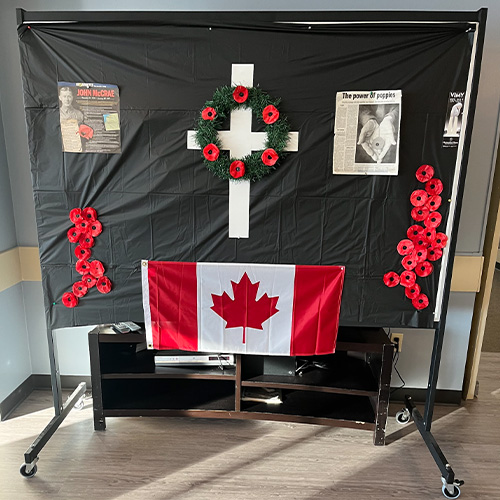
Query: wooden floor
point(160, 459)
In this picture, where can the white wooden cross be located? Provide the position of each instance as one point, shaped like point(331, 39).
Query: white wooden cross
point(240, 141)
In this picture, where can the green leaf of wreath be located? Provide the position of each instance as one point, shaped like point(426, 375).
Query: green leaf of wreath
point(207, 133)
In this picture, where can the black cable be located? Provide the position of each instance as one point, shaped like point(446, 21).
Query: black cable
point(395, 360)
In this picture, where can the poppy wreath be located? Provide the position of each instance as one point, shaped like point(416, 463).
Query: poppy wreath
point(423, 244)
point(86, 228)
point(257, 164)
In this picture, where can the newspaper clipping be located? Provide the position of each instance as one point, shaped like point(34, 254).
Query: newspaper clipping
point(367, 132)
point(90, 117)
point(453, 125)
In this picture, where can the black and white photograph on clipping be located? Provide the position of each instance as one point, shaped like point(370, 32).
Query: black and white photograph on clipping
point(454, 116)
point(367, 132)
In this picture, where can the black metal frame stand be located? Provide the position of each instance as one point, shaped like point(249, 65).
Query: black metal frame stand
point(29, 468)
point(450, 484)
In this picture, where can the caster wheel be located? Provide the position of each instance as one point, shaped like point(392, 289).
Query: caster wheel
point(29, 474)
point(403, 417)
point(447, 494)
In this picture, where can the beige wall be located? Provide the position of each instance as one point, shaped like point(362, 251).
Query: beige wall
point(19, 264)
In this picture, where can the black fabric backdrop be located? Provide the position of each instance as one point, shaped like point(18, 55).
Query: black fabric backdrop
point(157, 201)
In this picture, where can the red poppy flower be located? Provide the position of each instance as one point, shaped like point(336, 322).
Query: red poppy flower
point(269, 157)
point(74, 234)
point(391, 279)
point(104, 285)
point(423, 269)
point(405, 247)
point(69, 299)
point(419, 213)
point(80, 289)
point(418, 198)
point(96, 268)
point(420, 242)
point(83, 226)
point(433, 220)
point(434, 186)
point(89, 214)
point(85, 131)
point(82, 253)
point(270, 114)
point(211, 152)
point(237, 169)
point(208, 113)
point(83, 267)
point(240, 94)
point(441, 240)
point(425, 173)
point(407, 278)
point(434, 253)
point(420, 301)
point(429, 235)
point(420, 253)
point(95, 228)
point(415, 231)
point(89, 280)
point(409, 262)
point(86, 241)
point(433, 202)
point(75, 215)
point(412, 291)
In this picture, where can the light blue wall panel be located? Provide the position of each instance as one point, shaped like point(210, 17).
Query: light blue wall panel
point(35, 321)
point(15, 365)
point(73, 347)
point(72, 343)
point(415, 358)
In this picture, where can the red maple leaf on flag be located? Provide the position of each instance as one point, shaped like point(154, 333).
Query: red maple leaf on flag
point(244, 310)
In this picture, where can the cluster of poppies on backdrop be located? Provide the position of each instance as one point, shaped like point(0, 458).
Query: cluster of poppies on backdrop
point(257, 164)
point(424, 245)
point(86, 228)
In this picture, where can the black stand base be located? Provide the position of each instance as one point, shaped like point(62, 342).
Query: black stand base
point(451, 486)
point(29, 468)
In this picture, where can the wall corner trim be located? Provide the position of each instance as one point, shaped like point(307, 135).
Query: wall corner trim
point(19, 264)
point(10, 268)
point(30, 264)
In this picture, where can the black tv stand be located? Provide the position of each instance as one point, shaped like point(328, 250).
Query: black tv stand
point(352, 392)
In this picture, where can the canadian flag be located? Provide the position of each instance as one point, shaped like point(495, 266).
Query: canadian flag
point(281, 310)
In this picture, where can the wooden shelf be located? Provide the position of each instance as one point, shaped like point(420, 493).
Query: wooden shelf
point(157, 412)
point(313, 405)
point(347, 375)
point(177, 372)
point(122, 338)
point(361, 339)
point(178, 394)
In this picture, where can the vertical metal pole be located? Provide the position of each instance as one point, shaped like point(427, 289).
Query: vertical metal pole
point(440, 327)
point(433, 374)
point(96, 377)
point(55, 376)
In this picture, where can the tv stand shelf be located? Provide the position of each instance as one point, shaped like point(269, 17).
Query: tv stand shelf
point(351, 389)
